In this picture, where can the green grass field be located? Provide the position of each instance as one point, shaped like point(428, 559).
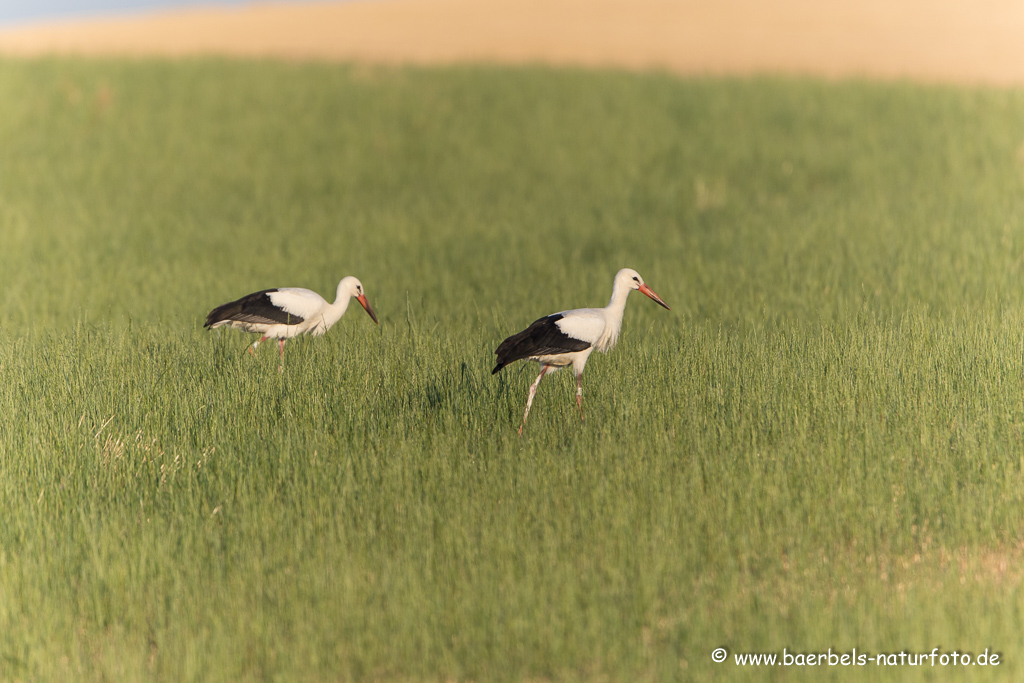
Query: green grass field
point(820, 446)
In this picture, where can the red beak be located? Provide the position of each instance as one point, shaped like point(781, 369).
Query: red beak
point(657, 299)
point(366, 305)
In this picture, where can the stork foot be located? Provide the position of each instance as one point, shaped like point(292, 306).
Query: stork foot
point(579, 396)
point(252, 347)
point(544, 369)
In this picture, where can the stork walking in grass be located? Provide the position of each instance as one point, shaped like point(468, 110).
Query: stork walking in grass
point(569, 337)
point(287, 312)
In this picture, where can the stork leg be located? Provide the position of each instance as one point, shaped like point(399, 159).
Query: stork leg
point(579, 394)
point(280, 353)
point(252, 349)
point(545, 369)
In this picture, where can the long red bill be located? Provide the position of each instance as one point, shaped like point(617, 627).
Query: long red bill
point(366, 305)
point(657, 299)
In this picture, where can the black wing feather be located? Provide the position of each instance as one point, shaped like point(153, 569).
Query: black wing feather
point(253, 308)
point(541, 338)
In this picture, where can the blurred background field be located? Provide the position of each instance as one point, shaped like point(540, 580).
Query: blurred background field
point(818, 447)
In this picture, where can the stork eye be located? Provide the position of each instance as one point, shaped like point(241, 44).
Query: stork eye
point(636, 279)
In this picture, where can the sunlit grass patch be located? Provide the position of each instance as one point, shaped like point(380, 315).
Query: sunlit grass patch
point(819, 446)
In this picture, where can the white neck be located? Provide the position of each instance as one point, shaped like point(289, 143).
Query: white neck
point(613, 316)
point(332, 312)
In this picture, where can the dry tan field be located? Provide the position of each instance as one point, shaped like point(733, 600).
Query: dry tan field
point(959, 41)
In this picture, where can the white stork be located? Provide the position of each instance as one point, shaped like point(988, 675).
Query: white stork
point(287, 312)
point(568, 338)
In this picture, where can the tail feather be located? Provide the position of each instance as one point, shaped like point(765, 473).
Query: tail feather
point(254, 308)
point(542, 337)
point(222, 314)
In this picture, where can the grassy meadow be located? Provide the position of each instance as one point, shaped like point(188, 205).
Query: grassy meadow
point(820, 446)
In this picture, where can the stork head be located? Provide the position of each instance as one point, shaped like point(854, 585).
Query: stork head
point(630, 278)
point(351, 286)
